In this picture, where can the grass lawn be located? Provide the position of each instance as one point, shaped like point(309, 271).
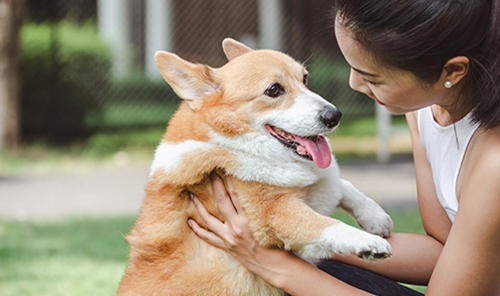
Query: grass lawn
point(88, 256)
point(69, 257)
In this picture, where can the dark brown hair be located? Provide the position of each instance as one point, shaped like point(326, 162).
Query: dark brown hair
point(422, 35)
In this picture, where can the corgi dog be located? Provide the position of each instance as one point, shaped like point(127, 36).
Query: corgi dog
point(255, 120)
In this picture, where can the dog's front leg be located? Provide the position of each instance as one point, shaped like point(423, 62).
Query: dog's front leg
point(313, 236)
point(366, 211)
point(280, 218)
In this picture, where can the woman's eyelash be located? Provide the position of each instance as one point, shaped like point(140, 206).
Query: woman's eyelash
point(369, 82)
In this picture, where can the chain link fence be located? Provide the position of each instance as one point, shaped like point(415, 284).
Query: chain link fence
point(87, 65)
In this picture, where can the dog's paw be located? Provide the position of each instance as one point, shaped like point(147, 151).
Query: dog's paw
point(343, 239)
point(357, 242)
point(377, 222)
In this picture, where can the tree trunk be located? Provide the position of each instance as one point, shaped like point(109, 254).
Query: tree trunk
point(10, 24)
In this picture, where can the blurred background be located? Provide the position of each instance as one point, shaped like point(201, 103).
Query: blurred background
point(86, 67)
point(83, 106)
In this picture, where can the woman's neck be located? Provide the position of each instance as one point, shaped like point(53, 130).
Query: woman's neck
point(449, 114)
point(452, 107)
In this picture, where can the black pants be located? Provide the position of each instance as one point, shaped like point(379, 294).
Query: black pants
point(365, 280)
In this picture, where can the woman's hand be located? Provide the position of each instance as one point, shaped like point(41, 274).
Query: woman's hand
point(234, 235)
point(279, 268)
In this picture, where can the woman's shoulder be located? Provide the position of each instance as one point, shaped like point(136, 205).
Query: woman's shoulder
point(487, 140)
point(484, 151)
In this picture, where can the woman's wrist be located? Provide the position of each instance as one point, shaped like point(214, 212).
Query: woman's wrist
point(278, 267)
point(274, 265)
point(295, 276)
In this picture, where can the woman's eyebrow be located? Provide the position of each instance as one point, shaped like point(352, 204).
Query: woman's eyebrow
point(365, 73)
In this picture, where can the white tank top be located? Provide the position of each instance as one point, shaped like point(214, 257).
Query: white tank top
point(445, 147)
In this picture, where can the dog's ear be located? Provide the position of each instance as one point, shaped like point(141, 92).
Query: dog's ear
point(192, 82)
point(234, 49)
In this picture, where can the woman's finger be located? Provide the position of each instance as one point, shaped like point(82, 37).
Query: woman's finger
point(208, 219)
point(234, 196)
point(224, 201)
point(206, 235)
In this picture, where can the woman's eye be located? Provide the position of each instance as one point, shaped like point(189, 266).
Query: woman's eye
point(369, 82)
point(305, 79)
point(275, 90)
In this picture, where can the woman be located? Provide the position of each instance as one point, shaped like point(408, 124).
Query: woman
point(438, 62)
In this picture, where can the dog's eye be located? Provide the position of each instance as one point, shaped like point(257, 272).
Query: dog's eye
point(305, 79)
point(275, 90)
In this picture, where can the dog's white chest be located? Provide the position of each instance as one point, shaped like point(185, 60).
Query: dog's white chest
point(169, 156)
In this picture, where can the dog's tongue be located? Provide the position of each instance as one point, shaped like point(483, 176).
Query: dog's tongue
point(318, 149)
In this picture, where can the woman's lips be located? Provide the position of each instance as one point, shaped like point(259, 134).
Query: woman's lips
point(373, 97)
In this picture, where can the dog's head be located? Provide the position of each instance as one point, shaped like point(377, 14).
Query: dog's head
point(257, 91)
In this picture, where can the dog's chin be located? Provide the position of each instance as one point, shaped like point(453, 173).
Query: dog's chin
point(312, 148)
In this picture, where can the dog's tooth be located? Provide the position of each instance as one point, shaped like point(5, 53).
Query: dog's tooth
point(302, 150)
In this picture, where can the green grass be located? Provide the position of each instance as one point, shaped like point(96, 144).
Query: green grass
point(88, 256)
point(70, 257)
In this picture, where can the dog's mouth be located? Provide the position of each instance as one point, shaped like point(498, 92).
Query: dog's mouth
point(313, 148)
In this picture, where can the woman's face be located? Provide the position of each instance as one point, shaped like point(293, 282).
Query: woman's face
point(398, 91)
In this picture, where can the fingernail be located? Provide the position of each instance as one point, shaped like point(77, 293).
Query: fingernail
point(213, 176)
point(190, 223)
point(191, 195)
point(195, 199)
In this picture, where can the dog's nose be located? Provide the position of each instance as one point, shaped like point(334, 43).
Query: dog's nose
point(330, 116)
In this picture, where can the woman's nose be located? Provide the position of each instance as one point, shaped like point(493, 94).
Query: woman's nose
point(356, 82)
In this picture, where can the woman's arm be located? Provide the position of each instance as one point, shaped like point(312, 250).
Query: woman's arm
point(434, 218)
point(413, 260)
point(470, 261)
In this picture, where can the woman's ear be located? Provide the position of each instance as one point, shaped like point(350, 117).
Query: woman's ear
point(455, 69)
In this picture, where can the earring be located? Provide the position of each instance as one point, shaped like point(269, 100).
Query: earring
point(448, 84)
